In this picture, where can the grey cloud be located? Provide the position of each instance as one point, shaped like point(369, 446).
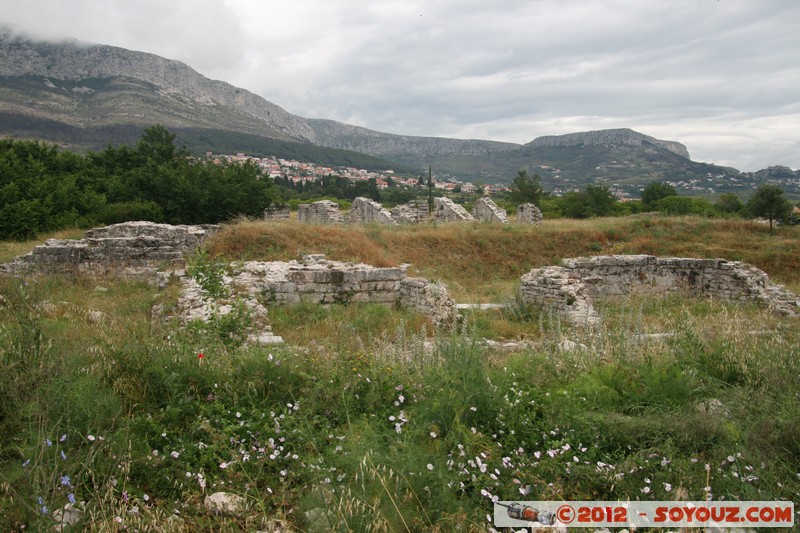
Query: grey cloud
point(720, 76)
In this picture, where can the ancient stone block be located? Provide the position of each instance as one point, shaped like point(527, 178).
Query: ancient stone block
point(366, 211)
point(446, 210)
point(324, 212)
point(277, 212)
point(529, 214)
point(486, 210)
point(569, 288)
point(414, 212)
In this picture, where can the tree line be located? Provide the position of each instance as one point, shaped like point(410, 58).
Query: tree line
point(768, 202)
point(43, 188)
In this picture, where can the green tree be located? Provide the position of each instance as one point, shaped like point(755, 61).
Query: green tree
point(655, 192)
point(526, 189)
point(770, 203)
point(729, 203)
point(601, 200)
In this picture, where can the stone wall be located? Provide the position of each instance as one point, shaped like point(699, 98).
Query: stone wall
point(317, 280)
point(324, 212)
point(529, 214)
point(277, 212)
point(486, 210)
point(446, 210)
point(130, 249)
point(414, 212)
point(570, 288)
point(366, 211)
point(428, 298)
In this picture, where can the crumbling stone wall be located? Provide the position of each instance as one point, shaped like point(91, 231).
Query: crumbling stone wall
point(317, 280)
point(428, 298)
point(277, 212)
point(570, 288)
point(486, 210)
point(130, 249)
point(366, 211)
point(414, 212)
point(529, 214)
point(324, 212)
point(446, 210)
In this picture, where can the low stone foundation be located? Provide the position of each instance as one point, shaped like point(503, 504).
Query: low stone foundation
point(570, 288)
point(317, 280)
point(131, 249)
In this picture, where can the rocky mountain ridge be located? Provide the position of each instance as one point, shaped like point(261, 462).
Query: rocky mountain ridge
point(72, 61)
point(621, 136)
point(86, 96)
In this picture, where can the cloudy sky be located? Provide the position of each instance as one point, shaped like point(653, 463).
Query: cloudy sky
point(720, 76)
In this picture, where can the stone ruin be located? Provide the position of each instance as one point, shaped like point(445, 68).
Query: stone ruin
point(414, 212)
point(324, 212)
point(570, 288)
point(156, 252)
point(277, 212)
point(486, 210)
point(366, 211)
point(529, 214)
point(318, 280)
point(130, 249)
point(446, 210)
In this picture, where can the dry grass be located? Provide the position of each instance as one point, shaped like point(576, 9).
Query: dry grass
point(483, 262)
point(11, 249)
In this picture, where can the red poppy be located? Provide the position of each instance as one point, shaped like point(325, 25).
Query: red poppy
point(200, 355)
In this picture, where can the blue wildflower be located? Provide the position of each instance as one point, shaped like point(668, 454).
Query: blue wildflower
point(63, 455)
point(63, 438)
point(71, 497)
point(65, 481)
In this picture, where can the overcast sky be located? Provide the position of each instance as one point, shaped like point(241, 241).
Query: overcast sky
point(720, 76)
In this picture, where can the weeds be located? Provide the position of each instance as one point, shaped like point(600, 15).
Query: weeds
point(378, 423)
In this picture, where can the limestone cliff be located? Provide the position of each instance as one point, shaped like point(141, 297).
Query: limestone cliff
point(174, 88)
point(622, 136)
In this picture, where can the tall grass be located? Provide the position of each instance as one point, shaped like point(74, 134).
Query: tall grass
point(483, 262)
point(369, 418)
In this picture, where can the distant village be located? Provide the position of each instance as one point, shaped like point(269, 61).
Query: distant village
point(302, 172)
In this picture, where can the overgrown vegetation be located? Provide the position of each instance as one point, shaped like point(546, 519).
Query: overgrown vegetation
point(45, 189)
point(369, 419)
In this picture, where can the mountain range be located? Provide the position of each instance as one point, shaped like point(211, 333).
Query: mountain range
point(85, 96)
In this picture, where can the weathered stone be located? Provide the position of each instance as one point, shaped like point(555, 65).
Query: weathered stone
point(324, 212)
point(414, 212)
point(446, 210)
point(277, 212)
point(366, 211)
point(131, 249)
point(67, 516)
point(224, 503)
point(529, 214)
point(486, 210)
point(570, 288)
point(96, 317)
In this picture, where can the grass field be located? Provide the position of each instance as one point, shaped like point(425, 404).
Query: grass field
point(370, 419)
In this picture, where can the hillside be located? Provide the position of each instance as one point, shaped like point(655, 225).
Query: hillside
point(85, 96)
